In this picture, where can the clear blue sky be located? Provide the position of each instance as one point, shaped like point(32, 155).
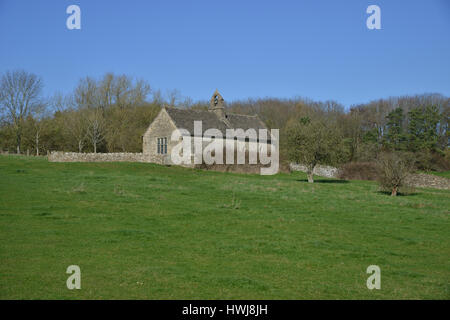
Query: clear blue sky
point(320, 49)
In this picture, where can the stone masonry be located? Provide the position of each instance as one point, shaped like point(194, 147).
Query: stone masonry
point(319, 170)
point(59, 156)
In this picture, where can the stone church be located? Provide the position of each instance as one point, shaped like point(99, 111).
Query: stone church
point(157, 144)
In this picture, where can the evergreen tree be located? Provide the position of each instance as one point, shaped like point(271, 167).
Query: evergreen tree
point(422, 128)
point(395, 138)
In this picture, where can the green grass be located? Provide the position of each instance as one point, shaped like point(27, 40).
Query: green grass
point(144, 231)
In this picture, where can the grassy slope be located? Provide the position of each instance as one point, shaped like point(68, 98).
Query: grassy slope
point(148, 231)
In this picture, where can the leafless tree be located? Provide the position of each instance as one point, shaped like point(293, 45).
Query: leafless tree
point(158, 97)
point(76, 126)
point(173, 97)
point(121, 91)
point(73, 119)
point(40, 113)
point(87, 94)
point(96, 127)
point(19, 96)
point(393, 169)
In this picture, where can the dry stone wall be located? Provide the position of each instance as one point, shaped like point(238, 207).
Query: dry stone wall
point(417, 180)
point(319, 170)
point(422, 180)
point(58, 156)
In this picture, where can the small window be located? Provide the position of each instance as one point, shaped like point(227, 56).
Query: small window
point(162, 146)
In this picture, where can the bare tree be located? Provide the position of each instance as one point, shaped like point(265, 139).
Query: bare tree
point(19, 96)
point(96, 127)
point(121, 91)
point(158, 97)
point(40, 113)
point(106, 88)
point(74, 122)
point(174, 97)
point(140, 92)
point(393, 168)
point(87, 94)
point(76, 126)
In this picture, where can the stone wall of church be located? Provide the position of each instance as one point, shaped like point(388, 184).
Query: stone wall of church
point(161, 127)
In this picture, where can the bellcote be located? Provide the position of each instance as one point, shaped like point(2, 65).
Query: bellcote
point(217, 105)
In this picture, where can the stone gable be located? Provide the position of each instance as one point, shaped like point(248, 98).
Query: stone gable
point(161, 127)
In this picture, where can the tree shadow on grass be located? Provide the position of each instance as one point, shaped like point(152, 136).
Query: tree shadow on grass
point(399, 194)
point(324, 181)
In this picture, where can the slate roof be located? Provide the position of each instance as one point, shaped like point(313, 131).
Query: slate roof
point(184, 118)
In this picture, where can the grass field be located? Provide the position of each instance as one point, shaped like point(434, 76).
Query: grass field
point(143, 231)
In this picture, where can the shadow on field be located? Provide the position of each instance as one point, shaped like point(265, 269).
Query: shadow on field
point(324, 181)
point(399, 194)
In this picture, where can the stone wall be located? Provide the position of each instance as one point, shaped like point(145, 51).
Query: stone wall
point(319, 170)
point(422, 180)
point(58, 156)
point(417, 180)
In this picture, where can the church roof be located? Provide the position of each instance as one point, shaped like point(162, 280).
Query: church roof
point(184, 118)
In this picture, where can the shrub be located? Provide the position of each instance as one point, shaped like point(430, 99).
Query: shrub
point(358, 171)
point(447, 159)
point(427, 160)
point(392, 169)
point(441, 161)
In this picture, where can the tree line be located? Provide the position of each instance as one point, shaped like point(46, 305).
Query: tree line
point(111, 113)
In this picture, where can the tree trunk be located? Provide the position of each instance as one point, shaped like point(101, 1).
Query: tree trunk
point(95, 147)
point(394, 191)
point(310, 175)
point(19, 138)
point(80, 147)
point(37, 144)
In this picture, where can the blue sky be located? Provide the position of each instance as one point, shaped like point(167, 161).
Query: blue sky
point(318, 49)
